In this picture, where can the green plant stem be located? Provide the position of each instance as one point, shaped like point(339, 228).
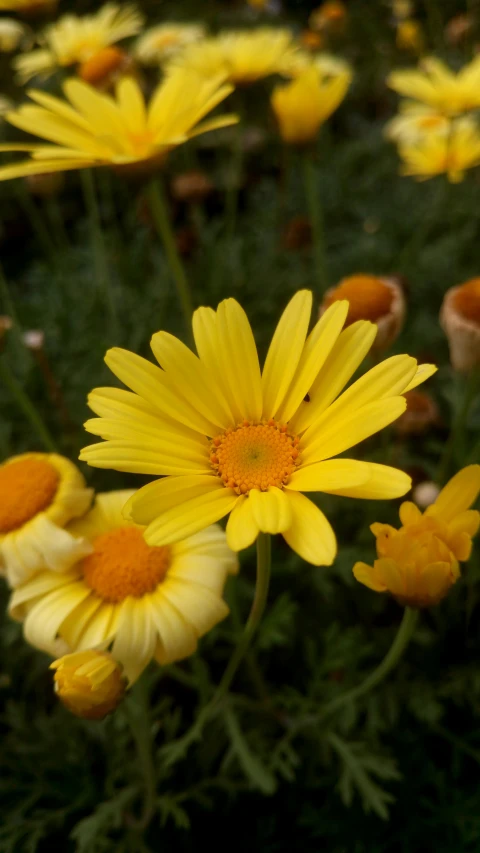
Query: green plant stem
point(233, 190)
point(456, 433)
point(54, 213)
point(316, 219)
point(137, 712)
point(36, 221)
point(98, 247)
point(433, 213)
point(25, 404)
point(159, 209)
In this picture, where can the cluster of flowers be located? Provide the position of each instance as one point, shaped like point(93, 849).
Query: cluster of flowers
point(140, 576)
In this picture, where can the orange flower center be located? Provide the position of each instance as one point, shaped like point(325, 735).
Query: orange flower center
point(101, 64)
point(467, 300)
point(122, 564)
point(369, 297)
point(255, 456)
point(27, 487)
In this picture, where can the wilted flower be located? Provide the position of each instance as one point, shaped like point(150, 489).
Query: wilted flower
point(11, 34)
point(410, 36)
point(422, 413)
point(441, 153)
point(302, 106)
point(460, 320)
point(419, 562)
point(433, 83)
point(159, 44)
point(87, 42)
point(143, 601)
point(375, 298)
point(39, 494)
point(90, 683)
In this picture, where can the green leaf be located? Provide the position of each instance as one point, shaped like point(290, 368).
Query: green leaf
point(358, 765)
point(253, 768)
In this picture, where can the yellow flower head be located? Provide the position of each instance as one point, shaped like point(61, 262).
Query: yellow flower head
point(144, 601)
point(410, 36)
point(418, 563)
point(303, 105)
point(39, 494)
point(95, 129)
point(11, 34)
point(439, 153)
point(90, 683)
point(230, 439)
point(434, 84)
point(415, 121)
point(158, 44)
point(28, 7)
point(241, 56)
point(85, 42)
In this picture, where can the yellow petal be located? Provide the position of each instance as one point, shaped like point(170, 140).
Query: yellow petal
point(242, 528)
point(177, 638)
point(158, 497)
point(241, 366)
point(330, 475)
point(74, 625)
point(145, 457)
point(383, 483)
point(270, 510)
point(205, 333)
point(44, 620)
point(422, 373)
point(285, 351)
point(409, 513)
point(366, 574)
point(310, 534)
point(198, 606)
point(101, 628)
point(136, 638)
point(458, 495)
point(132, 105)
point(190, 517)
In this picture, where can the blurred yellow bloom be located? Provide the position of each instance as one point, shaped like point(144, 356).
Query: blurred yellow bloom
point(410, 36)
point(402, 9)
point(433, 83)
point(302, 106)
point(28, 7)
point(439, 153)
point(331, 15)
point(415, 121)
point(82, 41)
point(158, 44)
point(230, 439)
point(11, 34)
point(242, 56)
point(419, 562)
point(5, 106)
point(95, 129)
point(142, 601)
point(40, 493)
point(90, 683)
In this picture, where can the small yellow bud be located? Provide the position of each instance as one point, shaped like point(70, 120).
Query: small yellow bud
point(90, 684)
point(410, 36)
point(302, 106)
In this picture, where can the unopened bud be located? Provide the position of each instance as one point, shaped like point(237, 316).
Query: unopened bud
point(90, 684)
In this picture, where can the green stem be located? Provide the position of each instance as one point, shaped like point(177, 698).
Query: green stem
point(433, 213)
point(159, 209)
point(54, 214)
point(233, 190)
point(456, 433)
point(316, 219)
point(36, 221)
point(137, 712)
point(98, 246)
point(25, 404)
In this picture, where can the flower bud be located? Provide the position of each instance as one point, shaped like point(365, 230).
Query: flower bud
point(191, 187)
point(458, 28)
point(104, 67)
point(460, 320)
point(331, 16)
point(410, 36)
point(422, 413)
point(90, 683)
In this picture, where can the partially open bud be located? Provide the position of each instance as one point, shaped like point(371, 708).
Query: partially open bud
point(380, 300)
point(191, 187)
point(45, 185)
point(460, 320)
point(104, 67)
point(410, 36)
point(90, 684)
point(422, 413)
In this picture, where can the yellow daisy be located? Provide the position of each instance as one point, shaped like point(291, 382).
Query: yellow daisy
point(40, 494)
point(414, 121)
point(144, 602)
point(11, 34)
point(419, 562)
point(82, 41)
point(433, 83)
point(439, 153)
point(242, 56)
point(95, 129)
point(230, 439)
point(303, 105)
point(159, 44)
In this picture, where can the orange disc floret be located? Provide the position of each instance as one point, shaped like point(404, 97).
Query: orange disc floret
point(122, 564)
point(255, 456)
point(95, 69)
point(467, 300)
point(369, 297)
point(27, 487)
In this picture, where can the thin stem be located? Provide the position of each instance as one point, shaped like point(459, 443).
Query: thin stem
point(159, 209)
point(433, 212)
point(137, 711)
point(36, 221)
point(316, 219)
point(98, 246)
point(456, 433)
point(54, 214)
point(233, 190)
point(25, 404)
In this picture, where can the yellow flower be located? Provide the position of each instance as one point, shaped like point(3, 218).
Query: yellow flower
point(28, 7)
point(145, 602)
point(241, 56)
point(433, 83)
point(303, 105)
point(410, 36)
point(439, 153)
point(418, 563)
point(11, 34)
point(85, 42)
point(90, 683)
point(234, 440)
point(95, 129)
point(414, 121)
point(40, 494)
point(159, 44)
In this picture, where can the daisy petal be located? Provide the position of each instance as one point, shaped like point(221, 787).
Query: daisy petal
point(285, 351)
point(241, 366)
point(270, 510)
point(135, 641)
point(177, 638)
point(242, 528)
point(144, 457)
point(383, 483)
point(330, 475)
point(190, 517)
point(156, 498)
point(199, 606)
point(310, 535)
point(43, 621)
point(366, 574)
point(458, 495)
point(423, 372)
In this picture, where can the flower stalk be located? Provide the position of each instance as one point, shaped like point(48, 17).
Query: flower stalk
point(98, 246)
point(317, 221)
